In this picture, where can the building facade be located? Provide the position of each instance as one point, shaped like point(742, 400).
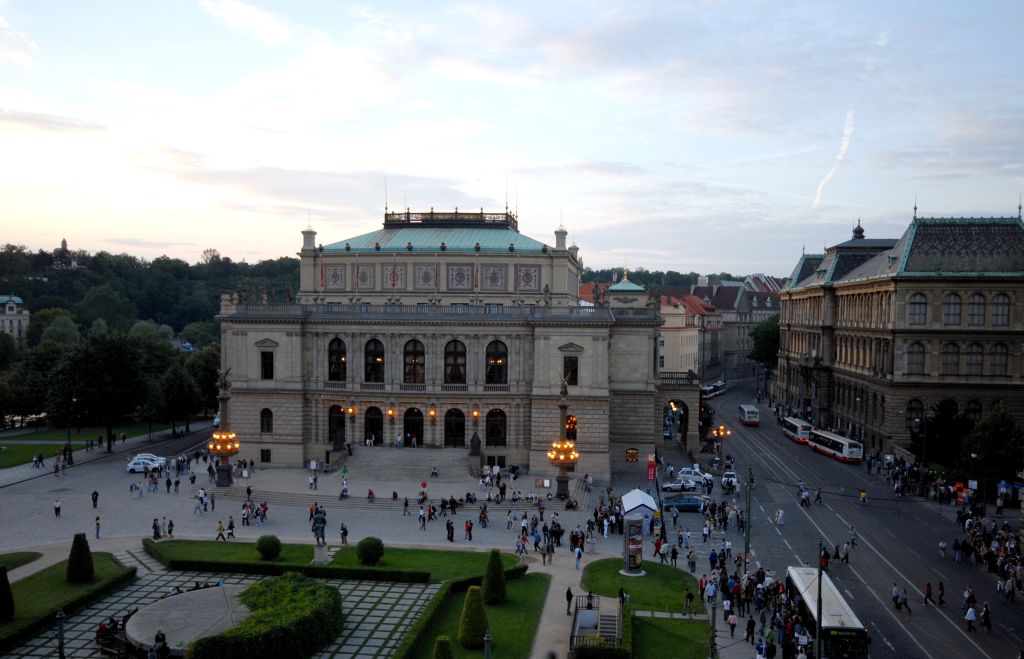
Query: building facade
point(15, 318)
point(691, 338)
point(441, 329)
point(875, 334)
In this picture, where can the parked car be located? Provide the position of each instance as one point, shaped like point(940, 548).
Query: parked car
point(693, 473)
point(729, 478)
point(683, 484)
point(216, 420)
point(685, 503)
point(140, 464)
point(149, 456)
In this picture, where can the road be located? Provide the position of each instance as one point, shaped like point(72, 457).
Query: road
point(897, 542)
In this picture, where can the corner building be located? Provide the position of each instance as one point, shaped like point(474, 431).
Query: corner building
point(876, 333)
point(438, 329)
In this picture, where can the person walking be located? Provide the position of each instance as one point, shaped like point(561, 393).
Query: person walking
point(405, 508)
point(95, 496)
point(97, 528)
point(170, 529)
point(675, 555)
point(895, 593)
point(568, 601)
point(579, 556)
point(344, 534)
point(220, 531)
point(231, 527)
point(904, 603)
point(732, 620)
point(751, 626)
point(969, 618)
point(56, 507)
point(986, 618)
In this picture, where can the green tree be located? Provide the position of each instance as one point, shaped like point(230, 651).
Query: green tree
point(370, 550)
point(443, 648)
point(494, 590)
point(993, 449)
point(99, 327)
point(6, 399)
point(62, 330)
point(473, 621)
point(8, 350)
point(204, 367)
point(80, 565)
point(149, 331)
point(765, 336)
point(179, 395)
point(200, 334)
point(30, 379)
point(106, 303)
point(40, 321)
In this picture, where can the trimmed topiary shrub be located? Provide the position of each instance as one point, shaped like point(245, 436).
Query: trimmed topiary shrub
point(290, 616)
point(269, 547)
point(443, 648)
point(473, 621)
point(80, 567)
point(494, 580)
point(6, 597)
point(370, 550)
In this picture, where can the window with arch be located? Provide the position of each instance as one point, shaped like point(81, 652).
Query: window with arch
point(973, 410)
point(414, 360)
point(974, 360)
point(496, 357)
point(455, 362)
point(915, 415)
point(951, 309)
point(266, 420)
point(917, 309)
point(915, 359)
point(1000, 310)
point(337, 358)
point(976, 310)
point(999, 359)
point(374, 361)
point(950, 359)
point(496, 428)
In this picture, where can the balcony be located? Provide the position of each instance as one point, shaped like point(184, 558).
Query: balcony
point(335, 384)
point(412, 387)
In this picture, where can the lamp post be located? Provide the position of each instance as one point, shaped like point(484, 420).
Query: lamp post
point(224, 443)
point(974, 457)
point(563, 453)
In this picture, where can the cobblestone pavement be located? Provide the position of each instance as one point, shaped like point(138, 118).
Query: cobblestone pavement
point(377, 614)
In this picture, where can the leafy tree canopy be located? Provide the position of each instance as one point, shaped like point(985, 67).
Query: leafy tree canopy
point(765, 337)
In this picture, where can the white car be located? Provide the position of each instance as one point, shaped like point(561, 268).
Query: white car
point(149, 456)
point(140, 464)
point(683, 484)
point(692, 473)
point(729, 478)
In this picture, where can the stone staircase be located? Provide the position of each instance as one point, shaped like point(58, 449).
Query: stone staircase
point(454, 465)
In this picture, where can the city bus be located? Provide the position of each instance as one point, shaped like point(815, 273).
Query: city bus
point(841, 448)
point(843, 635)
point(796, 429)
point(749, 416)
point(712, 390)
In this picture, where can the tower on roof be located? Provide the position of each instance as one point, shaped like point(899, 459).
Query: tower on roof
point(858, 231)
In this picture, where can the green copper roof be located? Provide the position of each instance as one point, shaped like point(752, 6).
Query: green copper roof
point(626, 286)
point(4, 299)
point(429, 239)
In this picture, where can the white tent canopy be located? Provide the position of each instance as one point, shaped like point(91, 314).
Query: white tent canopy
point(638, 502)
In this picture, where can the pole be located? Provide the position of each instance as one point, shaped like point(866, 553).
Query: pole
point(747, 520)
point(818, 631)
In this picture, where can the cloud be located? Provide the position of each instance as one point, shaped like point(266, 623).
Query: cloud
point(15, 46)
point(16, 120)
point(266, 26)
point(844, 144)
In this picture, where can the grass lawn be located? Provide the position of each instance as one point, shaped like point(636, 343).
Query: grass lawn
point(513, 624)
point(663, 588)
point(16, 454)
point(442, 565)
point(231, 552)
point(662, 637)
point(80, 435)
point(39, 596)
point(18, 558)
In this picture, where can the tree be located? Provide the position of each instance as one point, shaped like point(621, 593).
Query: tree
point(200, 333)
point(40, 321)
point(494, 590)
point(80, 566)
point(443, 648)
point(30, 379)
point(8, 350)
point(106, 303)
point(147, 330)
point(179, 395)
point(99, 327)
point(204, 367)
point(63, 330)
point(473, 621)
point(765, 336)
point(209, 255)
point(994, 446)
point(370, 550)
point(7, 597)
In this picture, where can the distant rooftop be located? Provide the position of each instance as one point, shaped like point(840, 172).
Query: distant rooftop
point(443, 219)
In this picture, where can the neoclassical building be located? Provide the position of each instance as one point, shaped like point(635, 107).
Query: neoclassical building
point(438, 328)
point(15, 317)
point(875, 333)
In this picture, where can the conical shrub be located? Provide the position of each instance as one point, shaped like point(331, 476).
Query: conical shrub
point(7, 597)
point(80, 567)
point(473, 622)
point(443, 648)
point(494, 590)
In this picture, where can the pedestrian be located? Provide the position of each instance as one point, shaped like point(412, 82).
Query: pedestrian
point(675, 556)
point(688, 606)
point(928, 594)
point(751, 626)
point(903, 601)
point(732, 620)
point(579, 556)
point(170, 529)
point(177, 482)
point(56, 507)
point(450, 529)
point(468, 527)
point(95, 498)
point(568, 601)
point(405, 507)
point(344, 534)
point(220, 531)
point(986, 618)
point(895, 593)
point(97, 528)
point(942, 594)
point(969, 618)
point(231, 527)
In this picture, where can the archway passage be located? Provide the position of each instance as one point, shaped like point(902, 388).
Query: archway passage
point(675, 420)
point(413, 425)
point(336, 428)
point(374, 424)
point(495, 428)
point(454, 429)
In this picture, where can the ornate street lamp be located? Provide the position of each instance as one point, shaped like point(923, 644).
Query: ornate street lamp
point(563, 453)
point(224, 442)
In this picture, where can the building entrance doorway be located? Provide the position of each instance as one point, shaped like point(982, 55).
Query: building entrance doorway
point(374, 425)
point(413, 424)
point(454, 429)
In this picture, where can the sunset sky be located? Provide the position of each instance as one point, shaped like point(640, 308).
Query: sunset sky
point(699, 136)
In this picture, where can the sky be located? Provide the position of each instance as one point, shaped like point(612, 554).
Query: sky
point(689, 136)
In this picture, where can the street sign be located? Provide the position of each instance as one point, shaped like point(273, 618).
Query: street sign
point(650, 471)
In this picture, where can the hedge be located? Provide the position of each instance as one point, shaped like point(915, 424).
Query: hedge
point(273, 569)
point(290, 616)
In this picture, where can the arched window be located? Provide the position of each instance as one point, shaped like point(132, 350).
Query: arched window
point(951, 310)
point(1000, 310)
point(454, 429)
point(950, 359)
point(976, 310)
point(915, 359)
point(497, 363)
point(999, 359)
point(495, 434)
point(336, 427)
point(266, 420)
point(455, 362)
point(974, 360)
point(415, 363)
point(973, 410)
point(336, 361)
point(915, 415)
point(374, 362)
point(917, 309)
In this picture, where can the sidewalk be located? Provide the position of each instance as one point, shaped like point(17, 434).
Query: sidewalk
point(139, 443)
